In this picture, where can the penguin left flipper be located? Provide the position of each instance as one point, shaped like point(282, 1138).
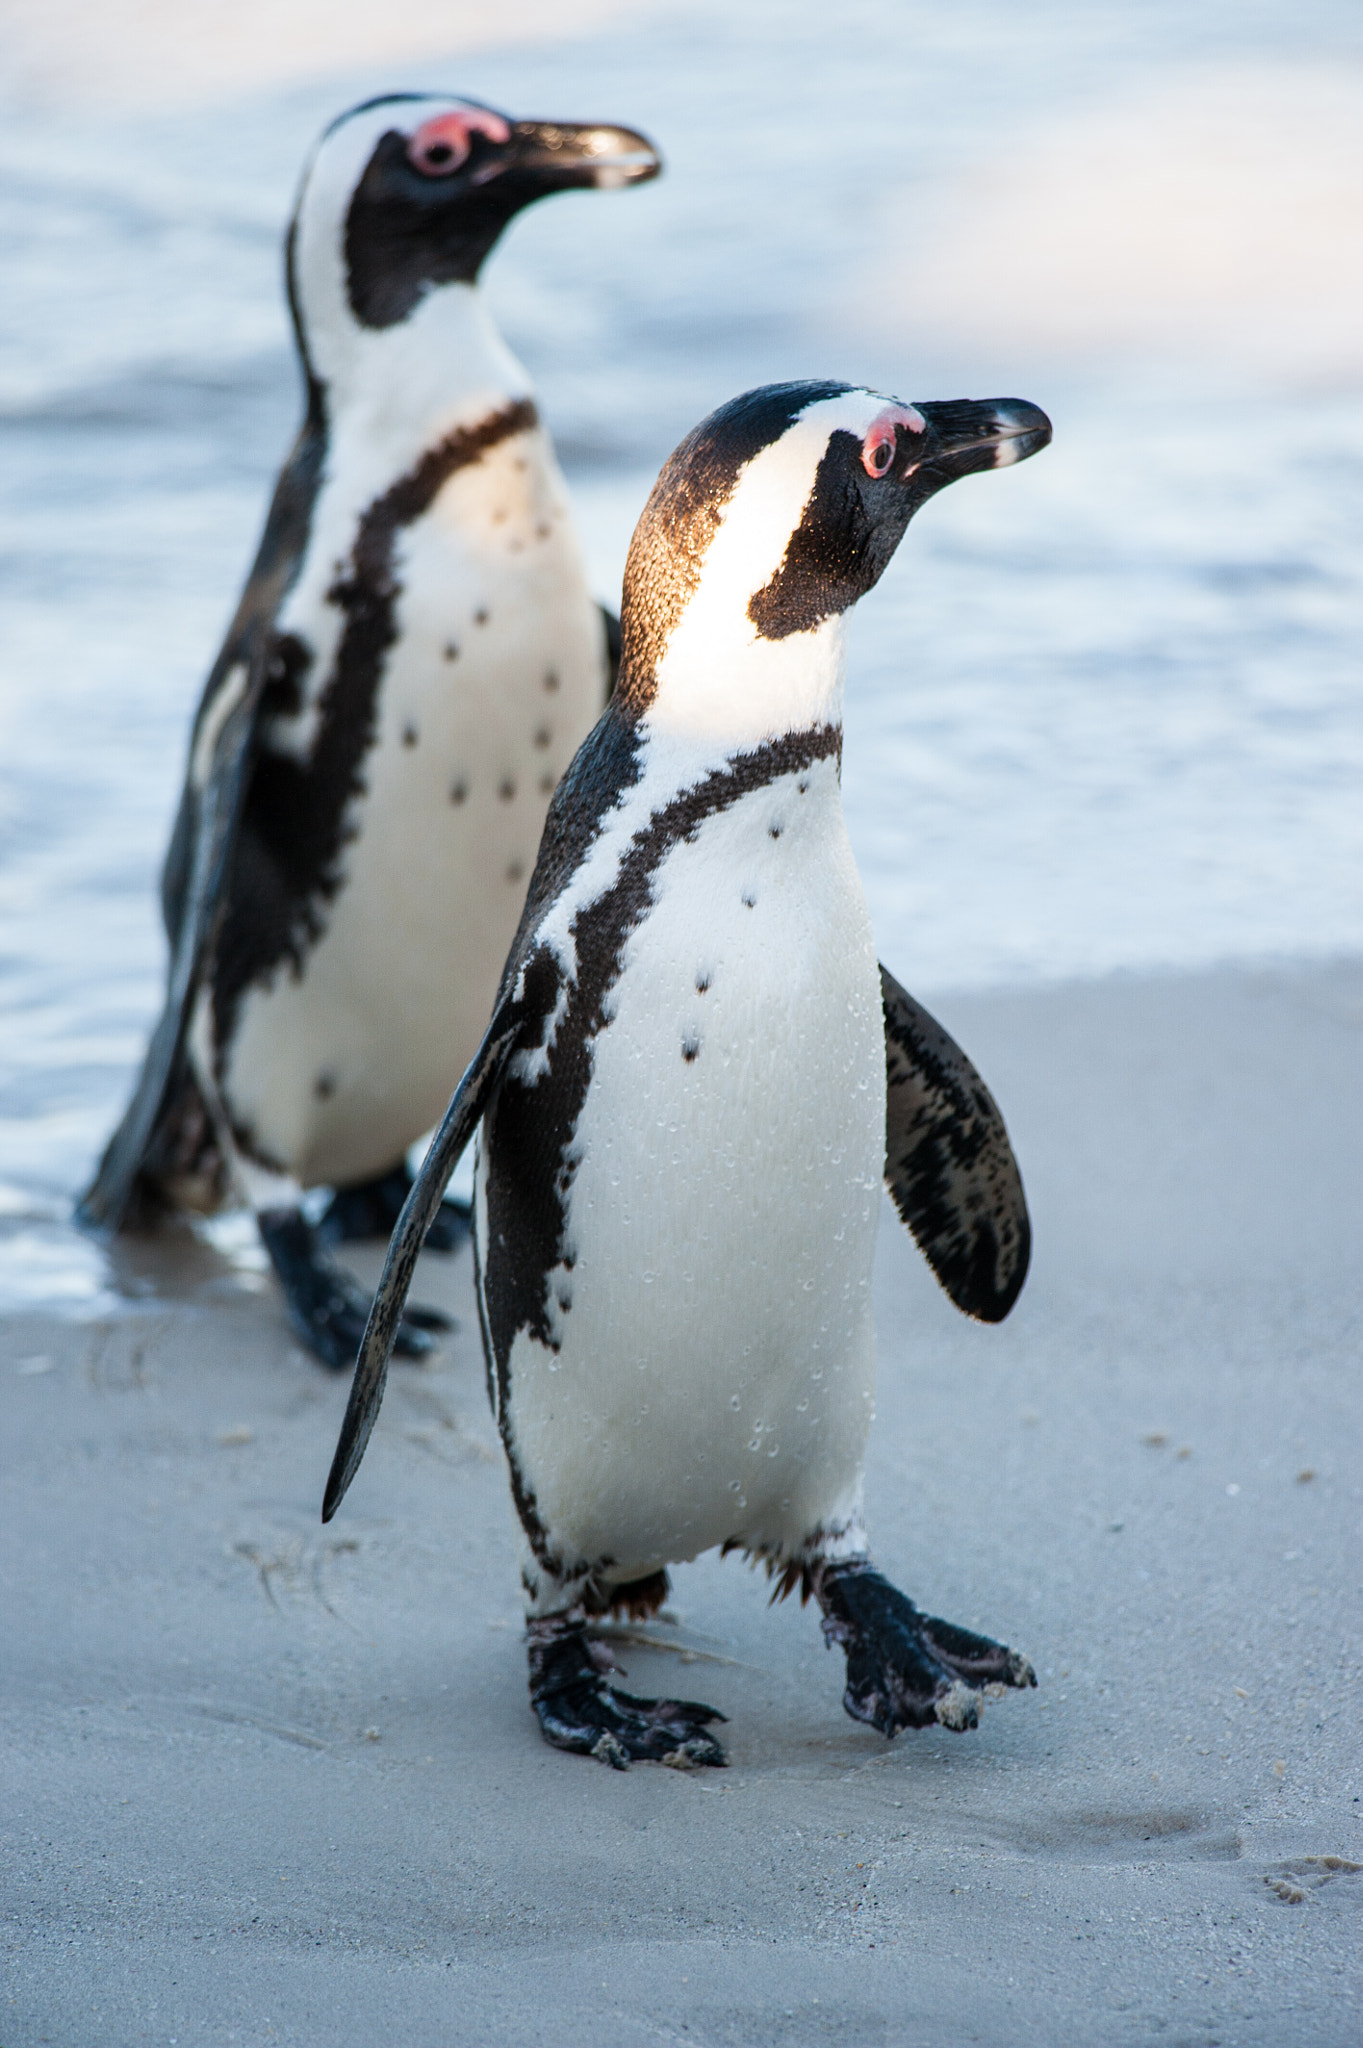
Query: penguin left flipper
point(948, 1163)
point(384, 1327)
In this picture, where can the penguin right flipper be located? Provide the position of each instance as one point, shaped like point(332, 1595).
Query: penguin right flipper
point(461, 1119)
point(205, 835)
point(948, 1162)
point(198, 863)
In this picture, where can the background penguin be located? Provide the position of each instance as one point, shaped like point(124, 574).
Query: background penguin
point(693, 1081)
point(413, 661)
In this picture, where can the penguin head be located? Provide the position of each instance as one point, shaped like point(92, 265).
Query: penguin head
point(767, 524)
point(406, 194)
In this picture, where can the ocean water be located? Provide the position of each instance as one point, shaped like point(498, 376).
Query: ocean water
point(1105, 712)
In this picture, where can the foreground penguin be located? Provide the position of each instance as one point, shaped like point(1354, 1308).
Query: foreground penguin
point(413, 662)
point(694, 1080)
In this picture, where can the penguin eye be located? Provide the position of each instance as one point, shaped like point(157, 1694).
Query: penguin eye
point(877, 450)
point(442, 144)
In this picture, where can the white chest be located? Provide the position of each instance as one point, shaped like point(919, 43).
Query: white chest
point(715, 1369)
point(495, 673)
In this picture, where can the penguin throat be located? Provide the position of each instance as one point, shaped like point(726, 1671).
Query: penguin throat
point(721, 684)
point(446, 361)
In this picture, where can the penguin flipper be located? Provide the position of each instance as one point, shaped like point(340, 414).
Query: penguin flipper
point(203, 839)
point(481, 1077)
point(206, 842)
point(948, 1163)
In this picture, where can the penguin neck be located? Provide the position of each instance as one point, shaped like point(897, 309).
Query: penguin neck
point(722, 689)
point(406, 386)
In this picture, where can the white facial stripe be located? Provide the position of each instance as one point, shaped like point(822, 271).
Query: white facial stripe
point(330, 178)
point(399, 359)
point(392, 391)
point(718, 678)
point(764, 510)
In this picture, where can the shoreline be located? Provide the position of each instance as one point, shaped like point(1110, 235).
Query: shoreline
point(205, 1839)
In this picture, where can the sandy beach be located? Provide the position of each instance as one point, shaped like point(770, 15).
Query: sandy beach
point(263, 1781)
point(270, 1782)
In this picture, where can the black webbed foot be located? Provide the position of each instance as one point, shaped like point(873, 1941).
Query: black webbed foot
point(326, 1307)
point(579, 1709)
point(372, 1207)
point(906, 1669)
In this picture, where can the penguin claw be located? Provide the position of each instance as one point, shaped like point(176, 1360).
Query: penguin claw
point(593, 1719)
point(371, 1209)
point(906, 1669)
point(579, 1710)
point(979, 1660)
point(327, 1308)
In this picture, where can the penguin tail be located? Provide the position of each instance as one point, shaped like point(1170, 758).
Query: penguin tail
point(180, 1166)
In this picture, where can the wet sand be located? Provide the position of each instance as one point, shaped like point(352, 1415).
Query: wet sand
point(270, 1782)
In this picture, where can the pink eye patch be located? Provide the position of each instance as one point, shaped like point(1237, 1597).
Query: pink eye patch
point(442, 144)
point(878, 448)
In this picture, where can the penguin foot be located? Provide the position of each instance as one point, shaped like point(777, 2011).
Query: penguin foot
point(906, 1669)
point(372, 1207)
point(326, 1307)
point(578, 1709)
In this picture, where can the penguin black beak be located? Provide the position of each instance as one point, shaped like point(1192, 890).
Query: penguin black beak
point(562, 156)
point(974, 434)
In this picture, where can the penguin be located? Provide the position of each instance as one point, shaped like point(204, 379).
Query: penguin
point(695, 1079)
point(412, 664)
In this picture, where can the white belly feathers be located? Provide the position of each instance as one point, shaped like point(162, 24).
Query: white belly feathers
point(716, 1361)
point(497, 672)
